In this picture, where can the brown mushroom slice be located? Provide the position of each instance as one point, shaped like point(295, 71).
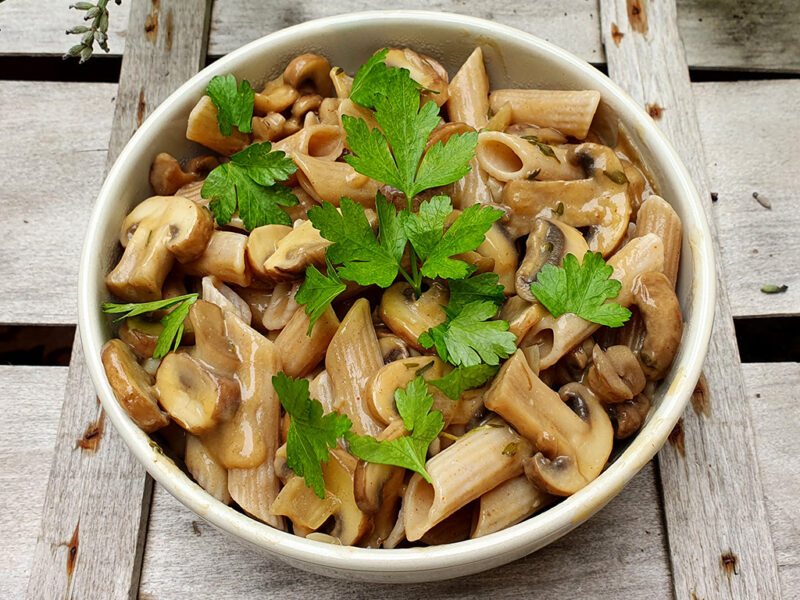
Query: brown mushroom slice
point(166, 175)
point(394, 348)
point(302, 506)
point(479, 461)
point(410, 317)
point(627, 417)
point(615, 374)
point(508, 504)
point(660, 311)
point(225, 257)
point(309, 70)
point(522, 315)
point(301, 247)
point(511, 158)
point(155, 233)
point(342, 82)
point(203, 128)
point(216, 292)
point(261, 244)
point(301, 352)
point(193, 396)
point(212, 344)
point(498, 246)
point(599, 201)
point(426, 71)
point(206, 470)
point(381, 387)
point(557, 336)
point(570, 429)
point(353, 357)
point(383, 492)
point(548, 243)
point(329, 181)
point(132, 386)
point(141, 335)
point(269, 127)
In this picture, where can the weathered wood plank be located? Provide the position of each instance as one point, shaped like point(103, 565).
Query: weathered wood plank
point(96, 507)
point(727, 34)
point(750, 132)
point(618, 553)
point(772, 396)
point(55, 138)
point(713, 495)
point(31, 405)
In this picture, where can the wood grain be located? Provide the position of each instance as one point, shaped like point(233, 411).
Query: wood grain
point(31, 406)
point(185, 558)
point(728, 34)
point(713, 496)
point(97, 501)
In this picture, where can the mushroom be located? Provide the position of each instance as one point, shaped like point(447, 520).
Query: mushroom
point(269, 127)
point(278, 306)
point(166, 175)
point(661, 313)
point(155, 233)
point(627, 417)
point(410, 317)
point(426, 71)
point(261, 244)
point(382, 386)
point(499, 247)
point(615, 374)
point(212, 345)
point(377, 491)
point(141, 335)
point(443, 133)
point(394, 348)
point(201, 165)
point(342, 82)
point(194, 397)
point(570, 429)
point(522, 315)
point(132, 386)
point(225, 257)
point(301, 247)
point(276, 97)
point(599, 201)
point(548, 243)
point(309, 72)
point(203, 128)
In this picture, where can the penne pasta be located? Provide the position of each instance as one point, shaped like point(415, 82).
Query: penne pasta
point(206, 470)
point(324, 142)
point(468, 100)
point(218, 293)
point(657, 216)
point(225, 257)
point(508, 157)
point(327, 181)
point(203, 128)
point(571, 112)
point(301, 352)
point(508, 504)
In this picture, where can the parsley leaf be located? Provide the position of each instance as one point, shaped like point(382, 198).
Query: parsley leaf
point(480, 287)
point(414, 404)
point(461, 379)
point(318, 291)
point(170, 336)
point(467, 338)
point(310, 433)
point(581, 289)
point(249, 181)
point(234, 104)
point(364, 259)
point(368, 80)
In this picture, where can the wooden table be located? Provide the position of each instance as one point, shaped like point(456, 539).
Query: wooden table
point(715, 516)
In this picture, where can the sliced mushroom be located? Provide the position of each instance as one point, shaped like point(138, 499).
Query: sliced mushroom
point(200, 166)
point(269, 127)
point(382, 386)
point(627, 417)
point(276, 97)
point(548, 243)
point(570, 429)
point(206, 470)
point(166, 175)
point(661, 313)
point(310, 71)
point(261, 244)
point(342, 82)
point(410, 317)
point(426, 71)
point(301, 247)
point(193, 396)
point(442, 133)
point(132, 386)
point(203, 128)
point(522, 315)
point(499, 247)
point(394, 348)
point(141, 334)
point(225, 257)
point(155, 233)
point(615, 374)
point(599, 201)
point(212, 344)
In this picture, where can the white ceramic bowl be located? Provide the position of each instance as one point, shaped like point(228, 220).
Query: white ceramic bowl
point(513, 59)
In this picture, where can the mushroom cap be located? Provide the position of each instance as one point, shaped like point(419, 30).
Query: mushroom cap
point(309, 69)
point(615, 374)
point(426, 71)
point(410, 317)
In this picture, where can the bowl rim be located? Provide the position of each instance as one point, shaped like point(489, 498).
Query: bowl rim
point(521, 538)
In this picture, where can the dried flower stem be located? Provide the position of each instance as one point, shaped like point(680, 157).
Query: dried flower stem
point(96, 32)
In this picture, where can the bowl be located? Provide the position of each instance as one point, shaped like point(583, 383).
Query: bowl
point(513, 59)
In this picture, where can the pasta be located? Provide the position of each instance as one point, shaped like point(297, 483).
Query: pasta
point(538, 424)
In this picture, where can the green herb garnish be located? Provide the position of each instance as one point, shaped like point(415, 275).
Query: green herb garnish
point(545, 149)
point(461, 379)
point(234, 103)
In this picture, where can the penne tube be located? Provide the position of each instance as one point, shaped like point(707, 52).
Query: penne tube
point(508, 504)
point(501, 120)
point(478, 462)
point(269, 127)
point(280, 305)
point(301, 352)
point(203, 128)
point(218, 293)
point(508, 157)
point(327, 181)
point(329, 112)
point(354, 356)
point(571, 112)
point(225, 256)
point(321, 389)
point(351, 109)
point(657, 216)
point(324, 142)
point(468, 100)
point(557, 336)
point(498, 246)
point(206, 470)
point(472, 188)
point(342, 82)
